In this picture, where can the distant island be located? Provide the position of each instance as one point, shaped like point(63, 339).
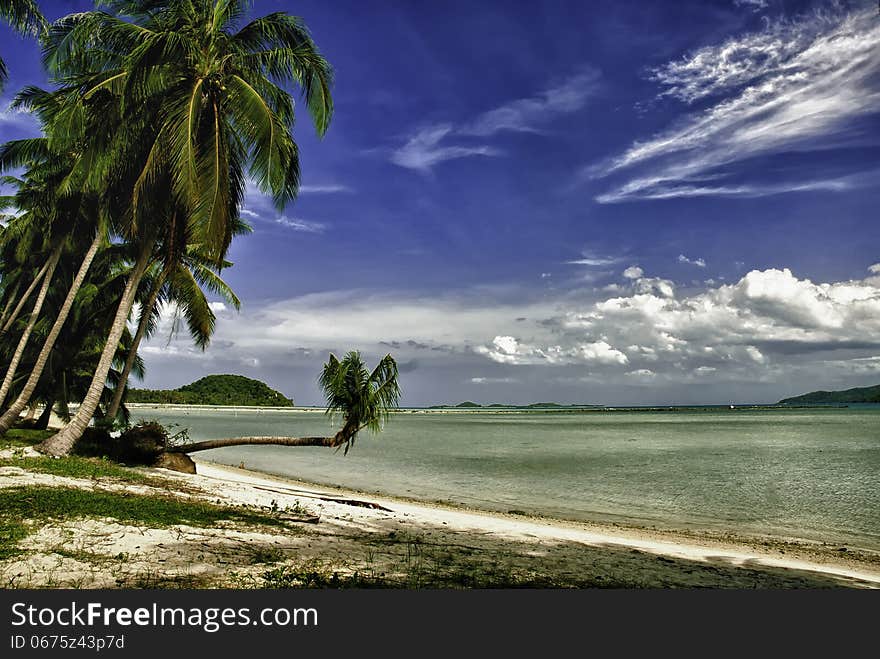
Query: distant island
point(532, 406)
point(215, 390)
point(856, 395)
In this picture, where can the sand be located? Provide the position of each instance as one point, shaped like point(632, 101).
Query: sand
point(337, 536)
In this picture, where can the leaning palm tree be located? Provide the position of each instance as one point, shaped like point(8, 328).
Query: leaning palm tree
point(362, 399)
point(180, 280)
point(203, 102)
point(23, 16)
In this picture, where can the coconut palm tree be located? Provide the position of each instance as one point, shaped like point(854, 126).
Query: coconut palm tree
point(23, 16)
point(180, 280)
point(202, 102)
point(67, 372)
point(181, 286)
point(74, 217)
point(361, 398)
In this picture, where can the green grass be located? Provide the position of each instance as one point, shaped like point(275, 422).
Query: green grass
point(20, 438)
point(45, 504)
point(73, 466)
point(77, 467)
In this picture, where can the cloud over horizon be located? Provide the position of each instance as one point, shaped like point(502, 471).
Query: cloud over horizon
point(764, 328)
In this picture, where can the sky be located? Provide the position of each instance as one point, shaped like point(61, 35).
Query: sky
point(622, 202)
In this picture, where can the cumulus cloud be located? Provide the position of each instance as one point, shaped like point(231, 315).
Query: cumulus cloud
point(770, 326)
point(633, 272)
point(508, 350)
point(798, 83)
point(431, 145)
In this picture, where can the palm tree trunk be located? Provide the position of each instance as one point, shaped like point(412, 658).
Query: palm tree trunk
point(22, 342)
point(43, 420)
point(9, 303)
point(62, 442)
point(242, 441)
point(30, 289)
point(24, 397)
point(132, 352)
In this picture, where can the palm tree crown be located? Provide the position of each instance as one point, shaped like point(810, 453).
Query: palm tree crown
point(364, 399)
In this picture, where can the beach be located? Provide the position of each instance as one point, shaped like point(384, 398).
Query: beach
point(334, 537)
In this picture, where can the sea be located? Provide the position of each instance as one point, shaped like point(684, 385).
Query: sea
point(811, 474)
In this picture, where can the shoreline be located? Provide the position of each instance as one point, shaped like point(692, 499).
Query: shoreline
point(305, 535)
point(595, 409)
point(704, 546)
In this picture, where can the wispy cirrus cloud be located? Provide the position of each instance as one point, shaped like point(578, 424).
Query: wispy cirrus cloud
point(431, 145)
point(754, 5)
point(423, 150)
point(298, 224)
point(324, 188)
point(797, 84)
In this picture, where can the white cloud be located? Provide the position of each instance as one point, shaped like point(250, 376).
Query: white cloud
point(700, 263)
point(595, 260)
point(768, 326)
point(422, 151)
point(325, 188)
point(875, 269)
point(508, 350)
point(528, 114)
point(754, 5)
point(429, 145)
point(217, 307)
point(633, 272)
point(297, 224)
point(796, 84)
point(19, 117)
point(492, 380)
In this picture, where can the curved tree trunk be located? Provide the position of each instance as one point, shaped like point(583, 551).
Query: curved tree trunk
point(22, 342)
point(7, 322)
point(62, 442)
point(8, 308)
point(24, 397)
point(273, 441)
point(43, 420)
point(132, 352)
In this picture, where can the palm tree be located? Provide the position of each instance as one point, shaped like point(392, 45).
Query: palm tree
point(362, 399)
point(72, 360)
point(74, 217)
point(201, 103)
point(181, 277)
point(181, 286)
point(23, 16)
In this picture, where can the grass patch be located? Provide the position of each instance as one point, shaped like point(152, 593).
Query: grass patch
point(17, 438)
point(91, 468)
point(11, 532)
point(45, 504)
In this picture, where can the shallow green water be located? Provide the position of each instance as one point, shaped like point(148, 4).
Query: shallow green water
point(804, 473)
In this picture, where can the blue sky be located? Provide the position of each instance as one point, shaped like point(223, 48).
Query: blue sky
point(615, 202)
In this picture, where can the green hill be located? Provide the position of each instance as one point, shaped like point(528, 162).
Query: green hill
point(215, 390)
point(857, 395)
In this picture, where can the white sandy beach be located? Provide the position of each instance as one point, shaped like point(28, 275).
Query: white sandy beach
point(393, 537)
